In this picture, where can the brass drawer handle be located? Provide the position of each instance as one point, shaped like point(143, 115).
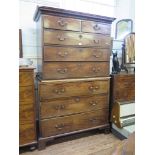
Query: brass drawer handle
point(62, 71)
point(97, 55)
point(60, 107)
point(59, 91)
point(93, 88)
point(62, 23)
point(96, 41)
point(77, 99)
point(61, 38)
point(96, 27)
point(93, 103)
point(63, 54)
point(96, 70)
point(60, 126)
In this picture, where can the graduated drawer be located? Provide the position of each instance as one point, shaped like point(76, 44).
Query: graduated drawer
point(26, 113)
point(75, 54)
point(26, 93)
point(61, 70)
point(72, 105)
point(26, 78)
point(77, 39)
point(60, 125)
point(61, 23)
point(26, 133)
point(96, 27)
point(67, 88)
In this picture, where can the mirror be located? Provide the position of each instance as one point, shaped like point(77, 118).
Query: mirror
point(123, 27)
point(128, 52)
point(129, 43)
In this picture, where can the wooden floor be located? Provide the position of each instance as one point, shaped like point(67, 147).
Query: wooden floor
point(96, 144)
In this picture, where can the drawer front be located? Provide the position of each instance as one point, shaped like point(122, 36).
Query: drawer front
point(26, 113)
point(125, 88)
point(61, 23)
point(95, 27)
point(26, 78)
point(26, 94)
point(75, 54)
point(26, 133)
point(61, 70)
point(60, 125)
point(73, 105)
point(76, 39)
point(76, 88)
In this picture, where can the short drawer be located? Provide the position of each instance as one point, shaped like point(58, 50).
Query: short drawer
point(96, 27)
point(60, 125)
point(61, 23)
point(75, 54)
point(27, 133)
point(67, 88)
point(26, 113)
point(26, 78)
point(61, 70)
point(72, 105)
point(26, 94)
point(76, 39)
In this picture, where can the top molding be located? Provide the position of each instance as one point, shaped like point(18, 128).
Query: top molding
point(68, 13)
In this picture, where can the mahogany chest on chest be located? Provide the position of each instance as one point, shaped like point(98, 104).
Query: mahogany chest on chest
point(73, 72)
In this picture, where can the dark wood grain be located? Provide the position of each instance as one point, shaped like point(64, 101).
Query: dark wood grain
point(26, 113)
point(26, 94)
point(44, 10)
point(96, 27)
point(27, 133)
point(61, 70)
point(26, 77)
point(61, 23)
point(124, 87)
point(73, 88)
point(75, 39)
point(75, 122)
point(73, 72)
point(27, 120)
point(75, 54)
point(72, 105)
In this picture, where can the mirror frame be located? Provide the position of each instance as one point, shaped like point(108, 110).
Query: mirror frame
point(127, 29)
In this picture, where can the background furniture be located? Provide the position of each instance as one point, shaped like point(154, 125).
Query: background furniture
point(122, 102)
point(73, 72)
point(27, 121)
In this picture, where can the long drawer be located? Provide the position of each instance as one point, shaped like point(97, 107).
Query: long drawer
point(75, 54)
point(26, 113)
point(66, 88)
point(61, 23)
point(76, 39)
point(26, 133)
point(96, 27)
point(72, 105)
point(60, 125)
point(61, 70)
point(26, 94)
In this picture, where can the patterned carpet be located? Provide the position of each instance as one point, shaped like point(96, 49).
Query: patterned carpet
point(96, 144)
